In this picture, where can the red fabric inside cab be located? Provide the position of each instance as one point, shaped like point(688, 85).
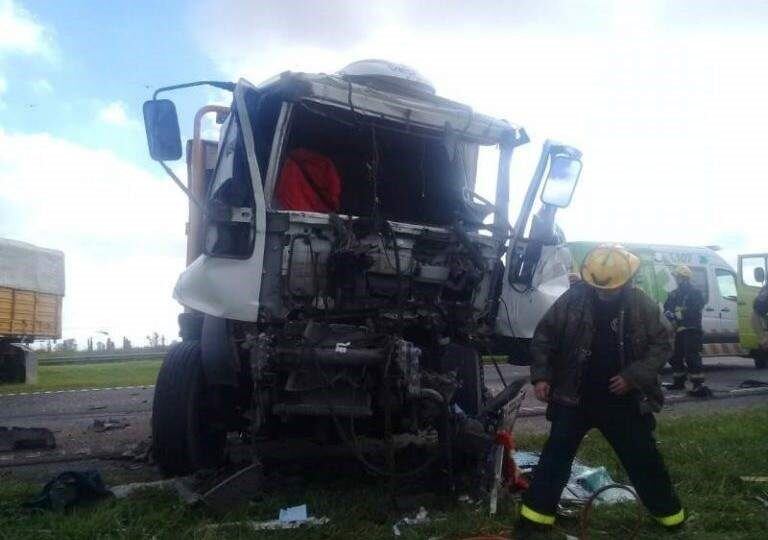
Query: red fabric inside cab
point(308, 181)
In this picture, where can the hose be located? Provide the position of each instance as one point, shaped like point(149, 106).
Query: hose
point(586, 512)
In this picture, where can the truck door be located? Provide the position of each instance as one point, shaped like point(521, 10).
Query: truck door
point(748, 287)
point(725, 304)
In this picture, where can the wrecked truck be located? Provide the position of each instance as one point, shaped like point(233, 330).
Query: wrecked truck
point(344, 279)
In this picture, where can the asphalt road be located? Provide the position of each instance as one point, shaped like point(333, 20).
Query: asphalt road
point(724, 375)
point(70, 414)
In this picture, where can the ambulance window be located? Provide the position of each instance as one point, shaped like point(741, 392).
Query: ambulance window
point(699, 280)
point(748, 267)
point(726, 283)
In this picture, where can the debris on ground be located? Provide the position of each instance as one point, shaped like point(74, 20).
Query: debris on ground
point(183, 486)
point(236, 488)
point(272, 525)
point(753, 383)
point(141, 451)
point(293, 513)
point(17, 438)
point(701, 392)
point(421, 518)
point(68, 489)
point(583, 482)
point(753, 478)
point(289, 518)
point(506, 473)
point(109, 424)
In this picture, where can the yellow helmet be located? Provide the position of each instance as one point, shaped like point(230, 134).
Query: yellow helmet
point(682, 271)
point(609, 267)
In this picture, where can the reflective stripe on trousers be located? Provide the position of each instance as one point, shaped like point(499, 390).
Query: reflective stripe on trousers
point(537, 517)
point(671, 521)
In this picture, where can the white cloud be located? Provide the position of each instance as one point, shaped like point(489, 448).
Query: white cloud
point(21, 33)
point(121, 229)
point(42, 87)
point(665, 99)
point(115, 114)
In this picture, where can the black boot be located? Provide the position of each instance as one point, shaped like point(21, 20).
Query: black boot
point(700, 391)
point(526, 529)
point(677, 384)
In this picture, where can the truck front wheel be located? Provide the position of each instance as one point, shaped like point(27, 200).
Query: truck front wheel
point(185, 437)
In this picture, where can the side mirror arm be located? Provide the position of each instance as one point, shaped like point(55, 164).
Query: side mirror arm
point(185, 189)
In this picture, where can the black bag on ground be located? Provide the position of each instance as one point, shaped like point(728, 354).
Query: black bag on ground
point(68, 489)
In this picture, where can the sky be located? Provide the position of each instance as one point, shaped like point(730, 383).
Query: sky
point(665, 99)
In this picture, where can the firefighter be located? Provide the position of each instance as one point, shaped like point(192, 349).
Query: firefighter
point(596, 355)
point(683, 308)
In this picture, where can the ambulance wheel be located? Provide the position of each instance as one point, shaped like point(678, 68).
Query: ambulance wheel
point(184, 439)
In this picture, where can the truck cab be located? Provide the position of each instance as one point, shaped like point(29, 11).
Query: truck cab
point(341, 267)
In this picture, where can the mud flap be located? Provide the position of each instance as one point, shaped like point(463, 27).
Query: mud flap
point(218, 352)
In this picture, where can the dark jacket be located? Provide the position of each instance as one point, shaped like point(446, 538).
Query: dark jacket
point(685, 303)
point(563, 340)
point(761, 302)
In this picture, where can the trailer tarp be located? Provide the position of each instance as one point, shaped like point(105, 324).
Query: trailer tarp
point(31, 268)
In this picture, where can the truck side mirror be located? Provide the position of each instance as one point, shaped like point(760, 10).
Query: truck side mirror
point(760, 274)
point(162, 126)
point(564, 171)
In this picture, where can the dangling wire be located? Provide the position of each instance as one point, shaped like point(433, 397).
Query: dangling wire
point(373, 176)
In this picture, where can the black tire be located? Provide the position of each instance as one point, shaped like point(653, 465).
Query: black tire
point(183, 437)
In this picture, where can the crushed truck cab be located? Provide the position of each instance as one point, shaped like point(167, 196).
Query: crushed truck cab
point(343, 275)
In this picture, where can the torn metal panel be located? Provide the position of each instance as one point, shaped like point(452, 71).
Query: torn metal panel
point(425, 110)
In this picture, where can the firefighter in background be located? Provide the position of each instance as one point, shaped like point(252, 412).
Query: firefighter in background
point(683, 308)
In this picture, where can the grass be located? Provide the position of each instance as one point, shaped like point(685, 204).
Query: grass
point(705, 454)
point(102, 375)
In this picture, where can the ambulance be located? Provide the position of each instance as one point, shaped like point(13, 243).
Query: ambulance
point(753, 334)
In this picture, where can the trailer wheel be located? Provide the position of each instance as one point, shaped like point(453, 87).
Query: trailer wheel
point(184, 438)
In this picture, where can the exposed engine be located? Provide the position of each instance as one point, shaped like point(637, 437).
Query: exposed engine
point(380, 324)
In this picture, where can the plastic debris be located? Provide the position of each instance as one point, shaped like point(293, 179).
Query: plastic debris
point(293, 514)
point(289, 518)
point(583, 482)
point(421, 518)
point(272, 525)
point(181, 485)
